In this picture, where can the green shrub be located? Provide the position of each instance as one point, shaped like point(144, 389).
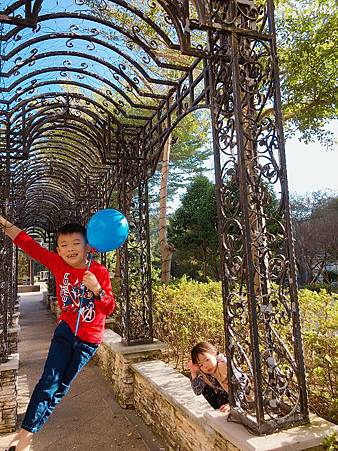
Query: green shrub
point(186, 312)
point(319, 318)
point(330, 443)
point(321, 286)
point(116, 326)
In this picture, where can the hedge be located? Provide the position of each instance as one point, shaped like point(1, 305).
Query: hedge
point(186, 312)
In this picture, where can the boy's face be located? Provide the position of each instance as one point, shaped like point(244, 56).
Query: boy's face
point(73, 249)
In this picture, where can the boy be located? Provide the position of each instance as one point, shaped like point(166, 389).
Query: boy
point(68, 353)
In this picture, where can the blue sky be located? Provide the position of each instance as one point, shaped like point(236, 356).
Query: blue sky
point(310, 167)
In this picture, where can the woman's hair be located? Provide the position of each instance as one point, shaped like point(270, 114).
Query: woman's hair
point(201, 348)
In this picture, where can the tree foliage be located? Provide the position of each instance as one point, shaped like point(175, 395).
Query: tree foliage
point(193, 227)
point(191, 147)
point(308, 54)
point(193, 231)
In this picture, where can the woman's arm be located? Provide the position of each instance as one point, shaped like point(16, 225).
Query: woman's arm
point(11, 230)
point(197, 382)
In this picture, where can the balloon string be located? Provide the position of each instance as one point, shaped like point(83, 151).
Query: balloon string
point(82, 296)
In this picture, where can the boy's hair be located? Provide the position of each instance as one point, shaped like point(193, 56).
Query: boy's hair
point(201, 348)
point(72, 227)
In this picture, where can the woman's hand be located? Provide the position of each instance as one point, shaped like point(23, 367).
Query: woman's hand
point(194, 369)
point(225, 408)
point(90, 281)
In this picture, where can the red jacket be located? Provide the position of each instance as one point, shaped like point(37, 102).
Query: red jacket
point(69, 290)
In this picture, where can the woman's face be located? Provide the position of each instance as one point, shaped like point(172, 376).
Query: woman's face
point(207, 362)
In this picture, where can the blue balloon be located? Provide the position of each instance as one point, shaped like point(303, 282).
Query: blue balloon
point(107, 230)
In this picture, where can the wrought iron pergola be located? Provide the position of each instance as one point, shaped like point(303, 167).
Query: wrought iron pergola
point(90, 91)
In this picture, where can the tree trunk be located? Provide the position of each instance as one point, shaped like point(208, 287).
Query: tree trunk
point(166, 248)
point(304, 274)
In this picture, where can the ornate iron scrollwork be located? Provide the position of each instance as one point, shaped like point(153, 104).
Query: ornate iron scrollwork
point(31, 12)
point(259, 281)
point(88, 98)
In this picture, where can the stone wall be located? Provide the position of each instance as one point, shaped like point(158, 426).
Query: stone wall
point(167, 404)
point(28, 288)
point(186, 422)
point(13, 339)
point(115, 360)
point(8, 394)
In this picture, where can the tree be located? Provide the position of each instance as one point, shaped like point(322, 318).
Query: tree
point(308, 54)
point(185, 158)
point(193, 227)
point(193, 231)
point(166, 249)
point(316, 233)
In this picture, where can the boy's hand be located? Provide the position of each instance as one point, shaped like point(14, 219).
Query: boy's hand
point(90, 281)
point(4, 223)
point(10, 229)
point(194, 369)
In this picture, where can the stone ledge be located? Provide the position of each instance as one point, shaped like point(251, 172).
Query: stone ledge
point(11, 364)
point(14, 329)
point(166, 402)
point(297, 438)
point(115, 358)
point(175, 387)
point(28, 288)
point(113, 340)
point(8, 393)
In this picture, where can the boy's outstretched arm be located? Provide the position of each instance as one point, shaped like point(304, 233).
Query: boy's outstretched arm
point(11, 230)
point(29, 245)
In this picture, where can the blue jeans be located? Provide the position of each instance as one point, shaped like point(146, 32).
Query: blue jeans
point(67, 355)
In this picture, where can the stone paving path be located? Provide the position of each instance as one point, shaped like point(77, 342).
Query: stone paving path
point(89, 418)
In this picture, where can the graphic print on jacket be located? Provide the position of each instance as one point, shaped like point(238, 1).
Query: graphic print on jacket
point(71, 297)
